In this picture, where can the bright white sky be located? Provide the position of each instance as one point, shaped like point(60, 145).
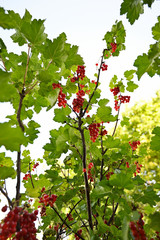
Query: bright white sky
point(85, 22)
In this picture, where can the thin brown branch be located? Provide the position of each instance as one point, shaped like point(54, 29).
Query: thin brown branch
point(69, 214)
point(87, 189)
point(31, 175)
point(99, 71)
point(6, 195)
point(64, 222)
point(18, 195)
point(77, 151)
point(113, 214)
point(26, 92)
point(116, 121)
point(72, 110)
point(105, 207)
point(3, 64)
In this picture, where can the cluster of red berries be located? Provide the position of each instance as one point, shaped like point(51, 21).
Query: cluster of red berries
point(104, 67)
point(114, 47)
point(134, 145)
point(78, 102)
point(56, 227)
point(26, 176)
point(90, 166)
point(138, 168)
point(35, 166)
point(79, 232)
point(20, 223)
point(81, 72)
point(137, 229)
point(94, 131)
point(73, 79)
point(93, 81)
point(124, 99)
point(108, 175)
point(116, 105)
point(103, 132)
point(69, 216)
point(115, 90)
point(48, 200)
point(61, 97)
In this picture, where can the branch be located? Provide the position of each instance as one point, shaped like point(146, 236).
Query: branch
point(72, 110)
point(113, 214)
point(6, 195)
point(63, 221)
point(22, 95)
point(31, 175)
point(31, 88)
point(66, 217)
point(87, 189)
point(99, 70)
point(77, 151)
point(3, 64)
point(116, 121)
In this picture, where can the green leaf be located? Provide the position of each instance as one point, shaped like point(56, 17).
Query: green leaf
point(7, 90)
point(121, 180)
point(2, 45)
point(131, 86)
point(73, 58)
point(7, 172)
point(129, 74)
point(125, 121)
point(110, 142)
point(104, 114)
point(102, 227)
point(156, 30)
point(9, 20)
point(148, 2)
point(155, 140)
point(52, 98)
point(5, 161)
point(55, 50)
point(155, 221)
point(100, 190)
point(11, 137)
point(34, 31)
point(144, 64)
point(61, 114)
point(133, 8)
point(103, 102)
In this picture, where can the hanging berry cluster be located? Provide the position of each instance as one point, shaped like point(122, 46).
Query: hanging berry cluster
point(78, 102)
point(61, 97)
point(20, 223)
point(114, 47)
point(137, 229)
point(134, 145)
point(80, 74)
point(95, 131)
point(122, 99)
point(79, 233)
point(48, 200)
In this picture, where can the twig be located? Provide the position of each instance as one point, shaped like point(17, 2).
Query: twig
point(116, 121)
point(99, 70)
point(105, 207)
point(72, 126)
point(77, 151)
point(113, 214)
point(26, 92)
point(72, 110)
point(87, 189)
point(64, 222)
point(3, 64)
point(6, 195)
point(31, 175)
point(18, 195)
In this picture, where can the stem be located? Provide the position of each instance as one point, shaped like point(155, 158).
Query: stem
point(99, 70)
point(87, 190)
point(63, 221)
point(18, 195)
point(116, 121)
point(31, 88)
point(113, 214)
point(19, 110)
point(8, 199)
